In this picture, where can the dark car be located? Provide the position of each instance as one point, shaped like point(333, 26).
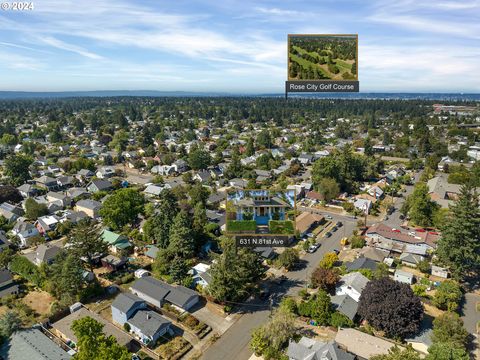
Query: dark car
point(328, 234)
point(339, 224)
point(264, 294)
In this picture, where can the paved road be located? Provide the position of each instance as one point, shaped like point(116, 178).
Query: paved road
point(234, 343)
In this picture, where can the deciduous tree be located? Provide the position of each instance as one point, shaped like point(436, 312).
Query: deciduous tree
point(392, 307)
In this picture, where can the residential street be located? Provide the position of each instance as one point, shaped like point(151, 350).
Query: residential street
point(234, 343)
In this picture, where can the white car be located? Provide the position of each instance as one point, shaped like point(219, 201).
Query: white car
point(313, 248)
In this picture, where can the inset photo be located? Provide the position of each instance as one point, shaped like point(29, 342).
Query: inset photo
point(322, 57)
point(263, 212)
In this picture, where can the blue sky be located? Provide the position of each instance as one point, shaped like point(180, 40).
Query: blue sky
point(233, 46)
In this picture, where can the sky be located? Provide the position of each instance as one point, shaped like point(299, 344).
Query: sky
point(234, 46)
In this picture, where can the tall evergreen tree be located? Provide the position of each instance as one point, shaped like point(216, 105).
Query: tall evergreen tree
point(182, 237)
point(157, 228)
point(459, 246)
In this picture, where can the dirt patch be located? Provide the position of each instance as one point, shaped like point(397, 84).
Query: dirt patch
point(432, 310)
point(39, 301)
point(3, 309)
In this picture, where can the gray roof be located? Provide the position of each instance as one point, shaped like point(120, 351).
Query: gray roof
point(355, 280)
point(156, 289)
point(46, 252)
point(346, 305)
point(152, 287)
point(180, 295)
point(125, 301)
point(5, 275)
point(89, 204)
point(309, 349)
point(31, 344)
point(22, 226)
point(361, 263)
point(101, 184)
point(149, 322)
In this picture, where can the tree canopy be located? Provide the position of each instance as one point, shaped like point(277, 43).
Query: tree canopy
point(122, 208)
point(392, 307)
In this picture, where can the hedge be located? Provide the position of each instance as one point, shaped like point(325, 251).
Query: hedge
point(241, 225)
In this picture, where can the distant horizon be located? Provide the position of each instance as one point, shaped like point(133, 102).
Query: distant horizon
point(234, 47)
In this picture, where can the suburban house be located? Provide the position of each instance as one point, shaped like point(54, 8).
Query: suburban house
point(99, 185)
point(346, 305)
point(45, 253)
point(11, 212)
point(31, 344)
point(411, 259)
point(63, 327)
point(442, 192)
point(27, 190)
point(105, 172)
point(423, 339)
point(144, 323)
point(361, 263)
point(200, 274)
point(89, 207)
point(113, 263)
point(262, 205)
point(374, 254)
point(310, 349)
point(46, 223)
point(157, 292)
point(361, 344)
point(439, 271)
point(153, 190)
point(352, 284)
point(116, 242)
point(47, 182)
point(307, 221)
point(7, 286)
point(78, 193)
point(397, 240)
point(24, 231)
point(403, 277)
point(63, 199)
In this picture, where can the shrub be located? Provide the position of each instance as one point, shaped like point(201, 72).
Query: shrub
point(126, 327)
point(448, 295)
point(241, 225)
point(357, 242)
point(339, 320)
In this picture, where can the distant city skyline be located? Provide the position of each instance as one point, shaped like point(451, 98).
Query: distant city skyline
point(233, 46)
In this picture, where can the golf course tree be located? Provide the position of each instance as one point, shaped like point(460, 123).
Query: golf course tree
point(392, 307)
point(459, 246)
point(234, 273)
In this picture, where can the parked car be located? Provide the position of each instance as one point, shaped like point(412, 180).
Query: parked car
point(313, 248)
point(310, 235)
point(334, 229)
point(339, 224)
point(328, 217)
point(328, 234)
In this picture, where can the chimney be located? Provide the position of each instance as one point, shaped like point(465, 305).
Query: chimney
point(148, 316)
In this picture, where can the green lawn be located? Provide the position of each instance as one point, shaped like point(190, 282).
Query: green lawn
point(342, 65)
point(241, 226)
point(281, 227)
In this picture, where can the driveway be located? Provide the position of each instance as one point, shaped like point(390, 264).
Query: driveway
point(234, 343)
